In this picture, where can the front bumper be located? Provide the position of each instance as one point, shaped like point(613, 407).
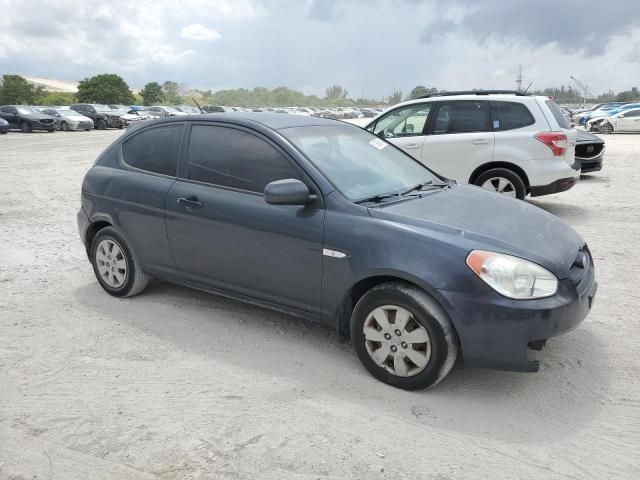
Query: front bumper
point(591, 164)
point(558, 186)
point(83, 226)
point(497, 332)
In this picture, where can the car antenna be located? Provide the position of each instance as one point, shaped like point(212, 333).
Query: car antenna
point(528, 86)
point(194, 101)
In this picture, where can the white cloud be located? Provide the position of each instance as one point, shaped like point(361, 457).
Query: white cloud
point(198, 31)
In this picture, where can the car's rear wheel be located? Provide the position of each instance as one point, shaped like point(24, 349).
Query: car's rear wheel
point(403, 337)
point(64, 126)
point(502, 181)
point(101, 124)
point(115, 266)
point(25, 127)
point(606, 128)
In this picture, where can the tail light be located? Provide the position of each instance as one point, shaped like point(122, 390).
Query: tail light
point(556, 141)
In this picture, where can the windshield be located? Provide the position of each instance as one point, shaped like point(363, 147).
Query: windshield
point(102, 108)
point(359, 164)
point(170, 109)
point(27, 110)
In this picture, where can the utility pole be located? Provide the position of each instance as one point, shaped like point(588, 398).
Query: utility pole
point(519, 79)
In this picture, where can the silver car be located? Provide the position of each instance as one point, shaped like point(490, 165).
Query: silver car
point(67, 119)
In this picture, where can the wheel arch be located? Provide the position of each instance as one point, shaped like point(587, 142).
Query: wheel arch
point(363, 285)
point(92, 231)
point(509, 166)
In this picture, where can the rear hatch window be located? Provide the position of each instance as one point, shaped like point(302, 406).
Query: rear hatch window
point(557, 114)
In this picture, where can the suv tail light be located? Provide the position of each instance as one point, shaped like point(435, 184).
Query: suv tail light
point(556, 141)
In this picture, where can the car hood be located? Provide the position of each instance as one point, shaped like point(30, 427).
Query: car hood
point(37, 116)
point(485, 220)
point(587, 137)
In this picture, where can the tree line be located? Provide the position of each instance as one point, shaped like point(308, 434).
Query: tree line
point(110, 88)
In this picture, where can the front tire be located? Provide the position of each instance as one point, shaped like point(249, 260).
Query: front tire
point(25, 127)
point(403, 337)
point(606, 128)
point(502, 181)
point(64, 126)
point(101, 124)
point(115, 266)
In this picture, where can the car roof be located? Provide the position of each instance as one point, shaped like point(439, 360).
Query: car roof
point(274, 121)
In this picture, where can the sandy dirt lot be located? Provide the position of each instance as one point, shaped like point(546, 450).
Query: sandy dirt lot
point(179, 384)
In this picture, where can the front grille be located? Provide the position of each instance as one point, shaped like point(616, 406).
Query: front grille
point(84, 125)
point(582, 270)
point(589, 150)
point(46, 121)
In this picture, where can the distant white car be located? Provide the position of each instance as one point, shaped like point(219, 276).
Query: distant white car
point(625, 121)
point(165, 111)
point(509, 142)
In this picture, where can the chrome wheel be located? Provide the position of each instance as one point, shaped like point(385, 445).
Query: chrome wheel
point(500, 185)
point(396, 342)
point(111, 263)
point(606, 128)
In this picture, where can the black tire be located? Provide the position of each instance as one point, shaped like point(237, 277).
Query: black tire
point(3, 133)
point(120, 126)
point(64, 126)
point(51, 130)
point(428, 314)
point(515, 180)
point(135, 278)
point(101, 124)
point(25, 127)
point(605, 128)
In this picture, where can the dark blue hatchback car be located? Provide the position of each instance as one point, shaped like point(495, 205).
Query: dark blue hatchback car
point(323, 220)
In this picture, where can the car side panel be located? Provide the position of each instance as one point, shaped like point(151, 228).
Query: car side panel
point(133, 202)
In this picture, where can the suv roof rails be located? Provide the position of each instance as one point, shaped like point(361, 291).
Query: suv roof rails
point(517, 93)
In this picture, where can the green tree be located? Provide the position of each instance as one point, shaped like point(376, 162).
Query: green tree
point(420, 91)
point(55, 98)
point(335, 92)
point(105, 88)
point(152, 93)
point(16, 90)
point(171, 92)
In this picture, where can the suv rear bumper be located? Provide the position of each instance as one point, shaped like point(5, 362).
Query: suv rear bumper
point(558, 186)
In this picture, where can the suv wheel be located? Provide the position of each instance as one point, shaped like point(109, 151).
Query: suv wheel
point(25, 127)
point(503, 181)
point(116, 269)
point(403, 337)
point(101, 124)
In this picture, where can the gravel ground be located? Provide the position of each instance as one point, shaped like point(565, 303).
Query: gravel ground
point(180, 384)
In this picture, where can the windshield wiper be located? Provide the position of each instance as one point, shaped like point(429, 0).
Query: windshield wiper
point(378, 198)
point(421, 186)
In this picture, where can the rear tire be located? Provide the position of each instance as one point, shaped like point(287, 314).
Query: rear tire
point(115, 266)
point(424, 350)
point(503, 181)
point(25, 127)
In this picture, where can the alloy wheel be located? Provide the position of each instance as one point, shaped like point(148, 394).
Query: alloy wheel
point(500, 185)
point(111, 263)
point(396, 341)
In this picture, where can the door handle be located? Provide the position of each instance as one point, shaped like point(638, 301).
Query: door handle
point(189, 203)
point(480, 141)
point(412, 146)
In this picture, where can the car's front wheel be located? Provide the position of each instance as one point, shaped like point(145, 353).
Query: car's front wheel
point(64, 126)
point(25, 127)
point(115, 266)
point(403, 337)
point(503, 181)
point(101, 124)
point(606, 128)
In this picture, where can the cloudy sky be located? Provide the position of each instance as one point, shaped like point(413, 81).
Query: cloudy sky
point(370, 46)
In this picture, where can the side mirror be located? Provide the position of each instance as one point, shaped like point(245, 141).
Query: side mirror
point(621, 116)
point(287, 192)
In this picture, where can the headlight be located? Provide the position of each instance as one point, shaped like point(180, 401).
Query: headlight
point(511, 276)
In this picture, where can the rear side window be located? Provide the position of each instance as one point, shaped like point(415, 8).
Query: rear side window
point(510, 115)
point(557, 114)
point(154, 150)
point(236, 159)
point(632, 113)
point(463, 116)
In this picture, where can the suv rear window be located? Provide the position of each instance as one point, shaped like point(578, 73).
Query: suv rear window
point(557, 114)
point(510, 115)
point(154, 150)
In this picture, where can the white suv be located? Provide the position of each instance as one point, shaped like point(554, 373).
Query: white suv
point(506, 141)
